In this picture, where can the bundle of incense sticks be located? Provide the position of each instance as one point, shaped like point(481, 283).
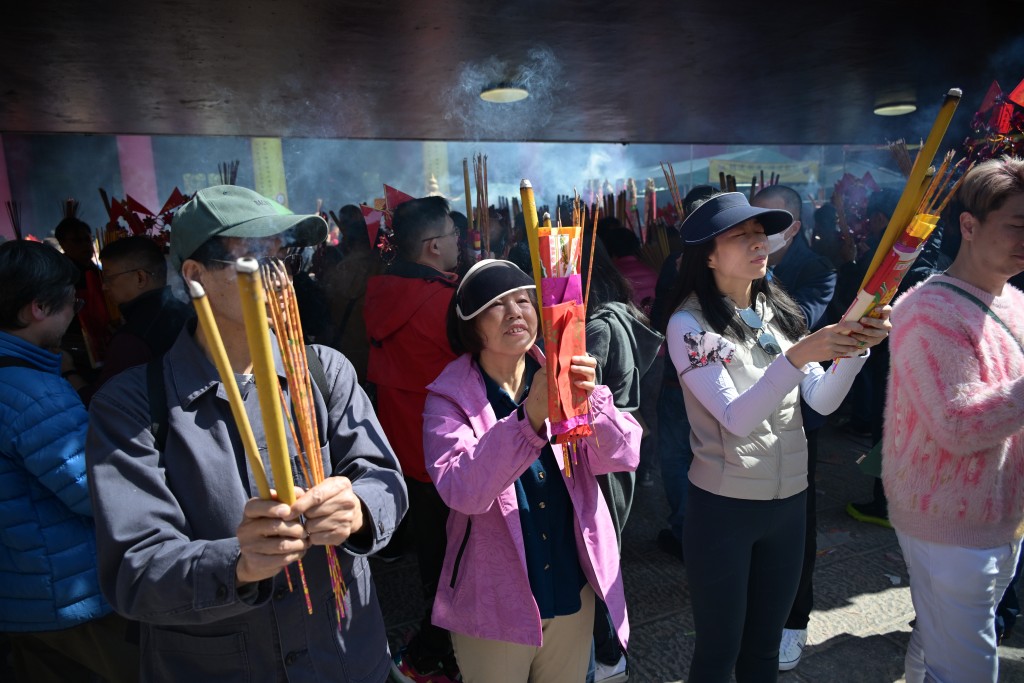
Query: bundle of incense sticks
point(913, 191)
point(727, 183)
point(469, 196)
point(254, 312)
point(656, 249)
point(257, 332)
point(885, 281)
point(756, 187)
point(301, 419)
point(14, 213)
point(899, 151)
point(673, 188)
point(941, 186)
point(483, 221)
point(228, 172)
point(650, 202)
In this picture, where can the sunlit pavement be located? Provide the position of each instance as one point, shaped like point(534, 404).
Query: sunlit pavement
point(860, 625)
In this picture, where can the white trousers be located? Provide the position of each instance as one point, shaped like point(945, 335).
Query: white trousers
point(955, 592)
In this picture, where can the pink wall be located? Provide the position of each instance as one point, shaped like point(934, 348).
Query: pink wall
point(138, 171)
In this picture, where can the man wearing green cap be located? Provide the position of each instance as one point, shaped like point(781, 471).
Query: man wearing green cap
point(184, 546)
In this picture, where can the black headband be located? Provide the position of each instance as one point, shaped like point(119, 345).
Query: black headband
point(486, 282)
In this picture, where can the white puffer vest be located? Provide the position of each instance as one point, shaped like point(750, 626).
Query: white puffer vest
point(771, 461)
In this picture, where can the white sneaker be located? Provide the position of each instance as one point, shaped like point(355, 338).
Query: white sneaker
point(615, 673)
point(791, 647)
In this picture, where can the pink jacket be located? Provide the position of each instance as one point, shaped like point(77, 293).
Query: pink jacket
point(474, 460)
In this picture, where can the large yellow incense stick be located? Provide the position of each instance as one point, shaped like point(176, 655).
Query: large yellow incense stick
point(254, 311)
point(915, 187)
point(215, 346)
point(530, 220)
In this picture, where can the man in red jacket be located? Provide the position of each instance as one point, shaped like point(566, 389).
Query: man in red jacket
point(405, 314)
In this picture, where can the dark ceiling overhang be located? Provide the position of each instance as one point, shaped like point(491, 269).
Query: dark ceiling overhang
point(615, 71)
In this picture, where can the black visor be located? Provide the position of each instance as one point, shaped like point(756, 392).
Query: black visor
point(486, 282)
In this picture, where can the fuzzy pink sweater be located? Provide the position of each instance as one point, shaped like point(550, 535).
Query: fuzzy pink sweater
point(953, 443)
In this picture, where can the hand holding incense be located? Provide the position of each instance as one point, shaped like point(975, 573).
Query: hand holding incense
point(215, 346)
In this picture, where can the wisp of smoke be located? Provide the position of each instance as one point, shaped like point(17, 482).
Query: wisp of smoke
point(540, 74)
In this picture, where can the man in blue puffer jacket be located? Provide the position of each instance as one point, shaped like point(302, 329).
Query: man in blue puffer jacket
point(59, 626)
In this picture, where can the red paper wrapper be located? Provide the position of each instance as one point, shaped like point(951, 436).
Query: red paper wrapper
point(565, 335)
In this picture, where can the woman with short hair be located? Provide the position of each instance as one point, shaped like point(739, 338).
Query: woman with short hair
point(528, 545)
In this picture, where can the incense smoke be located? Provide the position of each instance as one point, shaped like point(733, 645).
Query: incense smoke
point(540, 74)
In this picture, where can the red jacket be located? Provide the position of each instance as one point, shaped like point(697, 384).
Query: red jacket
point(405, 313)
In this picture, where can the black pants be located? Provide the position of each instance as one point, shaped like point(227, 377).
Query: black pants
point(427, 518)
point(800, 615)
point(107, 647)
point(743, 561)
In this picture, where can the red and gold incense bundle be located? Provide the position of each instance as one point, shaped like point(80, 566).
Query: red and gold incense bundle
point(913, 191)
point(557, 255)
point(885, 280)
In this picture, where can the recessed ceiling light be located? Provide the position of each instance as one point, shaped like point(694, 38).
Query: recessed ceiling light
point(504, 92)
point(895, 108)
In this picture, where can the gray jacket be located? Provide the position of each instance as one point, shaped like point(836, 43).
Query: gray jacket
point(166, 522)
point(624, 348)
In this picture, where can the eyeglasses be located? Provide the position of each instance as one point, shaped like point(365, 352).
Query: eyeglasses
point(293, 262)
point(111, 278)
point(766, 340)
point(453, 233)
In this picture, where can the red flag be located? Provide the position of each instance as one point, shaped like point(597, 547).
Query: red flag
point(394, 198)
point(372, 217)
point(1017, 96)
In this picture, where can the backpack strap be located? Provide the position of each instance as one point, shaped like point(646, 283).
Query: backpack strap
point(157, 390)
point(983, 306)
point(319, 377)
point(316, 372)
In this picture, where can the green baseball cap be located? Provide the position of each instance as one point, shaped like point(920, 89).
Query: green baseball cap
point(232, 211)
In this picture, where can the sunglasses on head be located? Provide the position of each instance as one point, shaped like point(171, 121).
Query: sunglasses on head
point(766, 340)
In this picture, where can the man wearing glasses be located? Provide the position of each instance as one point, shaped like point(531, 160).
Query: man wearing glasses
point(405, 314)
point(135, 280)
point(185, 546)
point(51, 609)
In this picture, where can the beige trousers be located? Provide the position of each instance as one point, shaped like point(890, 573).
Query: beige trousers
point(563, 658)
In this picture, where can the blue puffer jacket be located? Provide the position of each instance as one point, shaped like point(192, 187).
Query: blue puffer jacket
point(47, 539)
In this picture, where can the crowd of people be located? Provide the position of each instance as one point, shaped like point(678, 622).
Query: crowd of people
point(136, 546)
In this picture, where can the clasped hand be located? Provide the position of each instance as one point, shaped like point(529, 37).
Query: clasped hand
point(582, 371)
point(273, 534)
point(841, 340)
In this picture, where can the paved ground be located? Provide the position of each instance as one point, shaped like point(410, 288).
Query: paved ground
point(859, 629)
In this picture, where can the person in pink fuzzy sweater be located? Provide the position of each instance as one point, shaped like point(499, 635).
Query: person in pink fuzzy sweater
point(953, 444)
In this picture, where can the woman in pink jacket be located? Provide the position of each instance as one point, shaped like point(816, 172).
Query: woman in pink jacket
point(528, 548)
